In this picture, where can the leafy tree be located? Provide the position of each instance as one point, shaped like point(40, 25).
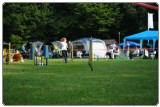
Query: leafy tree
point(96, 18)
point(26, 19)
point(84, 19)
point(51, 21)
point(16, 41)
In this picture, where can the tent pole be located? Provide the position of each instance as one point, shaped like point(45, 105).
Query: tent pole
point(141, 43)
point(154, 43)
point(124, 42)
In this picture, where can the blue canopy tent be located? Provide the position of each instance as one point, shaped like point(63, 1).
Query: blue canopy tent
point(130, 43)
point(145, 35)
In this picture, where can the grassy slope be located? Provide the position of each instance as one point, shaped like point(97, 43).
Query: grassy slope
point(112, 82)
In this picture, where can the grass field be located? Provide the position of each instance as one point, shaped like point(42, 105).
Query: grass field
point(113, 82)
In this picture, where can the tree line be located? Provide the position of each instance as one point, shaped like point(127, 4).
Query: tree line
point(51, 21)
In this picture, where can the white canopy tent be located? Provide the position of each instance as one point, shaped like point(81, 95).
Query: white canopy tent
point(99, 47)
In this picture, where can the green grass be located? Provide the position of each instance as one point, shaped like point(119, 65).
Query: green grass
point(112, 82)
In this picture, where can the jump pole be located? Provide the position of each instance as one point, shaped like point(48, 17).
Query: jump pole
point(31, 55)
point(45, 48)
point(71, 53)
point(90, 62)
point(9, 49)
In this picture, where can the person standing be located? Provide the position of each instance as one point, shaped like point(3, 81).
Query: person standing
point(64, 47)
point(25, 51)
point(110, 52)
point(127, 49)
point(113, 45)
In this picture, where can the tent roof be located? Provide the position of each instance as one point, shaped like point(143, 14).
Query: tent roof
point(87, 40)
point(145, 35)
point(130, 43)
point(56, 44)
point(38, 43)
point(109, 41)
point(4, 43)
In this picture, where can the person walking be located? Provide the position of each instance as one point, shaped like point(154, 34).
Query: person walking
point(64, 47)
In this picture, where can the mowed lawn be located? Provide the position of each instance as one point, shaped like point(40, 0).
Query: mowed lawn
point(113, 82)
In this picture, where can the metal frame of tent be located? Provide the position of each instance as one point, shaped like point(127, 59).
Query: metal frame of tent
point(145, 35)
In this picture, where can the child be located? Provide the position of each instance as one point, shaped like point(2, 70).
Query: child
point(64, 47)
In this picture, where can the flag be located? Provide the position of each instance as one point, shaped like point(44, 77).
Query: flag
point(150, 20)
point(90, 54)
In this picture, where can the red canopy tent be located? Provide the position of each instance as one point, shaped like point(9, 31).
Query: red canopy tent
point(147, 6)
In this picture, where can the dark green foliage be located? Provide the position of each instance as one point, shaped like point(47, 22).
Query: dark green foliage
point(51, 21)
point(16, 41)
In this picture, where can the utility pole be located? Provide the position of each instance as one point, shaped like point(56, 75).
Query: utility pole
point(119, 36)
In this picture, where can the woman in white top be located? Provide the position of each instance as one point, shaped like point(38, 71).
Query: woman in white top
point(64, 47)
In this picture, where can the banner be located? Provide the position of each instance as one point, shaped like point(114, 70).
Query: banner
point(150, 21)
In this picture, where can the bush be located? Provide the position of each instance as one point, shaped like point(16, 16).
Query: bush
point(16, 41)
